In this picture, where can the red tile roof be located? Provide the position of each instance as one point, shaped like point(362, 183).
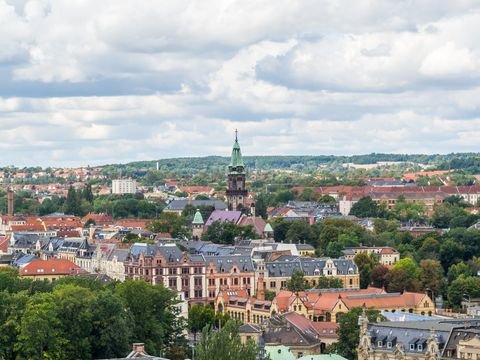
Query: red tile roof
point(51, 267)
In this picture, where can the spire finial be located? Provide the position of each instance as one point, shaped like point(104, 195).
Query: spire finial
point(236, 134)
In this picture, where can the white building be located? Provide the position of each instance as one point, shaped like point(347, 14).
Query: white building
point(124, 186)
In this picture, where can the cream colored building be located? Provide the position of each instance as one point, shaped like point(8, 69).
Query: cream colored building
point(124, 186)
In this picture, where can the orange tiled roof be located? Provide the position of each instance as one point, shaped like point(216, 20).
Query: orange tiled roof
point(51, 267)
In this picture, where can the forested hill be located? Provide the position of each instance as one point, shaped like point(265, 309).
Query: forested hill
point(214, 163)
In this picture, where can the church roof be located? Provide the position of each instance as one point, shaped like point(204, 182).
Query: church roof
point(236, 159)
point(268, 228)
point(198, 219)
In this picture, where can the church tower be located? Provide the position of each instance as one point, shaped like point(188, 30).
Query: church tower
point(236, 191)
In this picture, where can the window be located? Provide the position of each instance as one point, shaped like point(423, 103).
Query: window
point(198, 281)
point(380, 343)
point(198, 293)
point(273, 284)
point(172, 271)
point(412, 346)
point(185, 270)
point(172, 283)
point(420, 347)
point(389, 345)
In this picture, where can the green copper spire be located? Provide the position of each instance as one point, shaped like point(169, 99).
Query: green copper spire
point(198, 218)
point(236, 162)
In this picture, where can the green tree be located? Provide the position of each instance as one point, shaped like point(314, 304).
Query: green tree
point(200, 316)
point(365, 207)
point(153, 315)
point(226, 232)
point(349, 331)
point(365, 264)
point(38, 331)
point(297, 282)
point(464, 287)
point(431, 275)
point(300, 232)
point(224, 344)
point(325, 282)
point(72, 203)
point(171, 223)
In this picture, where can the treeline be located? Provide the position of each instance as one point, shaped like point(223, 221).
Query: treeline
point(215, 163)
point(81, 318)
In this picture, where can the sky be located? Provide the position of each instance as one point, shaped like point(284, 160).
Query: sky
point(89, 82)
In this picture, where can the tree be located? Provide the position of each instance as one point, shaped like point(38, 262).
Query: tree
point(226, 232)
point(365, 264)
point(171, 223)
point(365, 207)
point(72, 203)
point(153, 317)
point(224, 344)
point(378, 276)
point(408, 211)
point(300, 232)
point(325, 282)
point(349, 331)
point(456, 270)
point(430, 275)
point(200, 316)
point(463, 287)
point(280, 229)
point(38, 334)
point(297, 282)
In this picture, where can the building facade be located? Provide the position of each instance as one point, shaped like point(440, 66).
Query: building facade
point(168, 265)
point(124, 186)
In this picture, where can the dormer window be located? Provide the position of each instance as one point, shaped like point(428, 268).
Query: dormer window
point(389, 345)
point(420, 347)
point(380, 343)
point(412, 346)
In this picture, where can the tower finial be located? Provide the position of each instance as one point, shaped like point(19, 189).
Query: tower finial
point(236, 134)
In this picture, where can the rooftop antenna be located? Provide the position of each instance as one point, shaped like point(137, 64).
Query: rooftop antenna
point(236, 134)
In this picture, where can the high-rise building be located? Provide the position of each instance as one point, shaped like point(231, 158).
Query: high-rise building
point(236, 192)
point(124, 186)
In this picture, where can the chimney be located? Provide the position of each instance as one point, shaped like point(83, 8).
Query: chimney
point(252, 210)
point(138, 348)
point(189, 198)
point(260, 290)
point(10, 202)
point(91, 232)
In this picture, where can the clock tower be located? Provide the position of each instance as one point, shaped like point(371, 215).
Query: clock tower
point(236, 192)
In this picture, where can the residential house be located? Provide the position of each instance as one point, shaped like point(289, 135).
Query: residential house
point(51, 270)
point(386, 255)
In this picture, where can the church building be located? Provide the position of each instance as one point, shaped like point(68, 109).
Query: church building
point(237, 192)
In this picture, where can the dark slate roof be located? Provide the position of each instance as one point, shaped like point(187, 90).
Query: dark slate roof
point(415, 332)
point(179, 205)
point(249, 329)
point(244, 263)
point(286, 264)
point(25, 240)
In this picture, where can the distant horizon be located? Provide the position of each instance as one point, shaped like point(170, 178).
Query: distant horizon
point(250, 156)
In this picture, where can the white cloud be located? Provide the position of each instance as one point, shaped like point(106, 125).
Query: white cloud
point(114, 81)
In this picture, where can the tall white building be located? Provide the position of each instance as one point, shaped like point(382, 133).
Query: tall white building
point(124, 186)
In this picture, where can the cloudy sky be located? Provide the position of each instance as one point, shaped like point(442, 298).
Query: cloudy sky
point(102, 81)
